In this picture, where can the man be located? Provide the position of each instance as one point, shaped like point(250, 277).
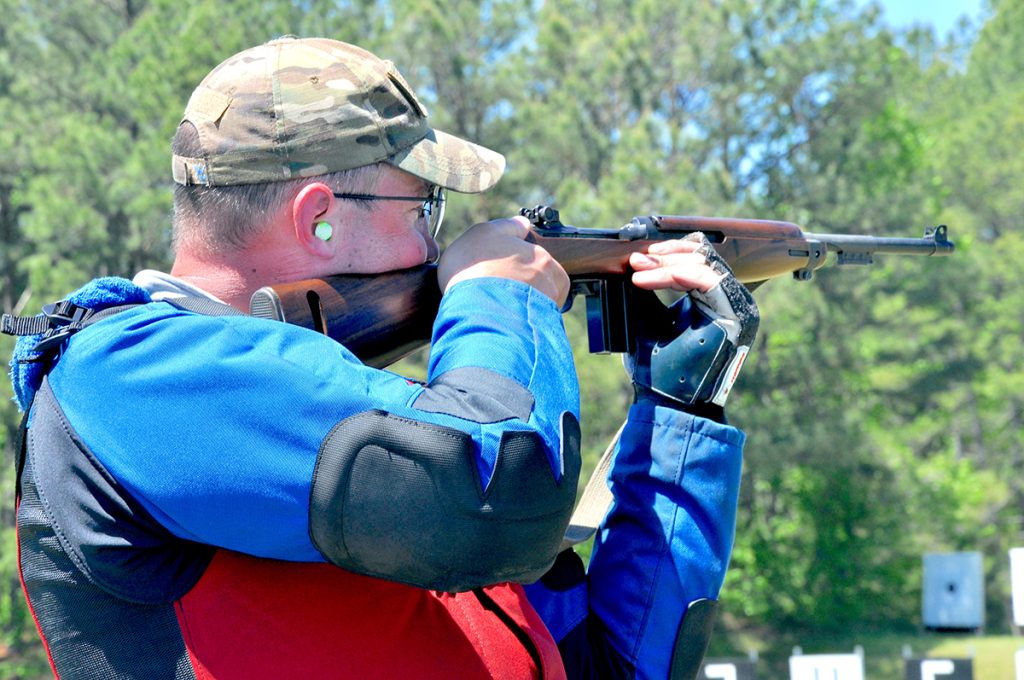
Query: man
point(206, 494)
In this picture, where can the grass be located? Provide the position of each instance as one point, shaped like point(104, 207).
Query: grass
point(993, 655)
point(883, 653)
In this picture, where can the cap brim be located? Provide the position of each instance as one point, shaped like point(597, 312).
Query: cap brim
point(451, 162)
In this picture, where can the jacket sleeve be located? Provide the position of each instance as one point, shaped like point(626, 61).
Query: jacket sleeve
point(220, 425)
point(664, 545)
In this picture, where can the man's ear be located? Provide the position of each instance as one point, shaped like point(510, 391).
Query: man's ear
point(311, 207)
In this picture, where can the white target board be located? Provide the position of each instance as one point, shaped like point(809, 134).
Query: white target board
point(826, 667)
point(728, 669)
point(953, 591)
point(1017, 586)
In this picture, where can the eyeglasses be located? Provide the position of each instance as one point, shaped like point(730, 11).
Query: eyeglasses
point(432, 209)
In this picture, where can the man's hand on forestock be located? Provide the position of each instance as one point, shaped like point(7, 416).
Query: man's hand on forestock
point(497, 248)
point(691, 353)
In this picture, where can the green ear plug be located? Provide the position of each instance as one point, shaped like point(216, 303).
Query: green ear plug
point(324, 231)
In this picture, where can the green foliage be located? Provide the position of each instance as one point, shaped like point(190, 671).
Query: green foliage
point(883, 406)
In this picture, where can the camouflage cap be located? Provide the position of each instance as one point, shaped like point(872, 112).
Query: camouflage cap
point(295, 108)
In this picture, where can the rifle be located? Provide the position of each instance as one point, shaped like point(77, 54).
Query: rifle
point(383, 317)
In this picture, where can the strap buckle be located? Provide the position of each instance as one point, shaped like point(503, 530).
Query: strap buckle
point(66, 312)
point(65, 319)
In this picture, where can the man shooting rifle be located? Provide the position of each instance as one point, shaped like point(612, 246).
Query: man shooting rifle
point(203, 493)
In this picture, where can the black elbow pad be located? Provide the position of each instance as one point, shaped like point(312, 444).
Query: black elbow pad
point(401, 499)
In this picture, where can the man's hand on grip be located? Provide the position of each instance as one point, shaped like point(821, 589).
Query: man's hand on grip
point(497, 248)
point(690, 353)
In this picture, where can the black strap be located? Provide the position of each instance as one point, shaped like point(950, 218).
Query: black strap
point(23, 325)
point(62, 319)
point(20, 449)
point(201, 305)
point(59, 321)
point(56, 324)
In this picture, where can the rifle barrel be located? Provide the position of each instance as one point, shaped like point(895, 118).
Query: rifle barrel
point(934, 242)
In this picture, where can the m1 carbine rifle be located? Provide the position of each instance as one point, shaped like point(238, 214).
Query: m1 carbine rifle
point(383, 317)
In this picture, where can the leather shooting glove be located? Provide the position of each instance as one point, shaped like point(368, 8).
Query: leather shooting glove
point(691, 353)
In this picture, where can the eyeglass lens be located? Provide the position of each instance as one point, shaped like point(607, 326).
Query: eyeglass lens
point(433, 210)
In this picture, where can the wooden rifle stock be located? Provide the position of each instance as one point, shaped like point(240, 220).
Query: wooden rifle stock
point(379, 317)
point(383, 317)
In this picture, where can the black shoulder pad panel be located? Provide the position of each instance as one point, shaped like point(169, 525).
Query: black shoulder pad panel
point(401, 499)
point(692, 639)
point(112, 540)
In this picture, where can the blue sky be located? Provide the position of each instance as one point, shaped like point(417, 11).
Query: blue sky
point(942, 14)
